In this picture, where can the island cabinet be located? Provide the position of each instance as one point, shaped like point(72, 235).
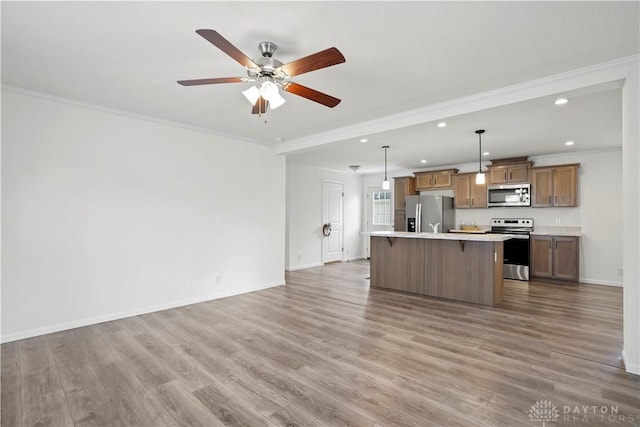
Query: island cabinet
point(554, 186)
point(403, 186)
point(462, 270)
point(468, 194)
point(508, 171)
point(555, 257)
point(434, 179)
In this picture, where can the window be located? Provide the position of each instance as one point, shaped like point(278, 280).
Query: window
point(381, 208)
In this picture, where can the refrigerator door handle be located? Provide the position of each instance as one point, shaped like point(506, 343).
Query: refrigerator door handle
point(418, 217)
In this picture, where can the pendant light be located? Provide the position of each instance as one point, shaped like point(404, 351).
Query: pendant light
point(385, 183)
point(480, 176)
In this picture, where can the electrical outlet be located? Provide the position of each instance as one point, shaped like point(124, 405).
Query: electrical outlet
point(620, 272)
point(557, 220)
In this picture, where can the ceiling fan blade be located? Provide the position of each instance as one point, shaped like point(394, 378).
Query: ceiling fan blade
point(224, 45)
point(311, 94)
point(211, 81)
point(260, 107)
point(322, 59)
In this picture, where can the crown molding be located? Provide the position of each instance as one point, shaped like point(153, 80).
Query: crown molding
point(607, 72)
point(96, 107)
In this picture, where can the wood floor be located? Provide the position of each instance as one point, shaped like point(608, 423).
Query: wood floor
point(325, 350)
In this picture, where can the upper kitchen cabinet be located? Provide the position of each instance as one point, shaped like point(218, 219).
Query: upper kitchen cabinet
point(403, 186)
point(555, 186)
point(468, 194)
point(434, 179)
point(506, 171)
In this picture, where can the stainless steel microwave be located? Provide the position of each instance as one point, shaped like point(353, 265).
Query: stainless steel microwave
point(509, 195)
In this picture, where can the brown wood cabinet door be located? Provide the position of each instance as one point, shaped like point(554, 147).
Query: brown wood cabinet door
point(400, 191)
point(424, 181)
point(461, 194)
point(542, 256)
point(565, 258)
point(498, 175)
point(478, 193)
point(442, 179)
point(565, 186)
point(542, 187)
point(518, 173)
point(400, 220)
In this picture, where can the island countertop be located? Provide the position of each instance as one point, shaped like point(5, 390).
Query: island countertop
point(473, 237)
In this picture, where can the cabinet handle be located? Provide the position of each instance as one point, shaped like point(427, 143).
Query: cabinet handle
point(555, 200)
point(549, 200)
point(472, 201)
point(510, 176)
point(435, 181)
point(430, 182)
point(556, 244)
point(505, 176)
point(549, 244)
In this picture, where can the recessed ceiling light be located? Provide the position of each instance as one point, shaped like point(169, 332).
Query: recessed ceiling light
point(486, 153)
point(442, 125)
point(423, 161)
point(561, 101)
point(279, 139)
point(363, 140)
point(569, 143)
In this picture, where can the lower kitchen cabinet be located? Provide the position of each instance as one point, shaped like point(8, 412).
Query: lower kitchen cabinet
point(555, 257)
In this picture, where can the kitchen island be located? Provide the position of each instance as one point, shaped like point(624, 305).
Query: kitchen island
point(461, 267)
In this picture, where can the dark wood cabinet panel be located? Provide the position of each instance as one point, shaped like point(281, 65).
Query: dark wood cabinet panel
point(468, 194)
point(554, 186)
point(555, 257)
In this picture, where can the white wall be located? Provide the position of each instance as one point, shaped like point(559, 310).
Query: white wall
point(304, 214)
point(631, 197)
point(107, 215)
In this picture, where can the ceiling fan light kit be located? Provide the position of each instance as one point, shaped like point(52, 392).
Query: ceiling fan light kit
point(270, 74)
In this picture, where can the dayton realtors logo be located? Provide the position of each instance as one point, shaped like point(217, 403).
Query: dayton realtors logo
point(545, 411)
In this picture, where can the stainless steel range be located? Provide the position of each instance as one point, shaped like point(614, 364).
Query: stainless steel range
point(516, 250)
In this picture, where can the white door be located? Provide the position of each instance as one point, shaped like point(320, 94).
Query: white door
point(379, 204)
point(332, 217)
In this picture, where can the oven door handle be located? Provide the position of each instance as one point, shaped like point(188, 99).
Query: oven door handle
point(519, 236)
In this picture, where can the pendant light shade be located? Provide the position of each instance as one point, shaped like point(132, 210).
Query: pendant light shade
point(480, 176)
point(385, 183)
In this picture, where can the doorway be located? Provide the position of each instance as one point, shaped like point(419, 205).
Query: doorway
point(332, 221)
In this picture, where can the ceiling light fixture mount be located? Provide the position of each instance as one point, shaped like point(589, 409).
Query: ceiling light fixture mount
point(480, 176)
point(354, 167)
point(385, 183)
point(561, 101)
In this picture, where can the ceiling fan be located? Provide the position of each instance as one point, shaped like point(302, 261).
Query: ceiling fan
point(270, 74)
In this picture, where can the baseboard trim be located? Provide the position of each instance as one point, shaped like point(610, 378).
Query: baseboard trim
point(600, 282)
point(631, 368)
point(136, 312)
point(302, 267)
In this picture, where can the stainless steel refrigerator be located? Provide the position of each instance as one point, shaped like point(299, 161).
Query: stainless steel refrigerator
point(425, 210)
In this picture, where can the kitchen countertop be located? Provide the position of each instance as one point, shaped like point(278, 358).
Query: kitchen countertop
point(476, 237)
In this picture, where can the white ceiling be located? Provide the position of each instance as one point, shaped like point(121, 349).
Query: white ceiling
point(400, 56)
